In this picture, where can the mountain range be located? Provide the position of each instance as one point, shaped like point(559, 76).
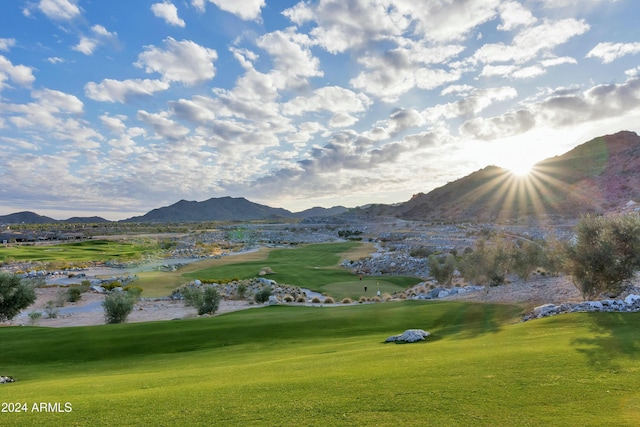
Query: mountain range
point(599, 176)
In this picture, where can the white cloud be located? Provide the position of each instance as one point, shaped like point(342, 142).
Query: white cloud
point(341, 120)
point(347, 24)
point(531, 41)
point(99, 37)
point(443, 21)
point(181, 61)
point(244, 9)
point(163, 126)
point(331, 98)
point(561, 109)
point(169, 12)
point(18, 74)
point(55, 60)
point(6, 44)
point(292, 59)
point(59, 10)
point(123, 91)
point(472, 104)
point(513, 15)
point(609, 52)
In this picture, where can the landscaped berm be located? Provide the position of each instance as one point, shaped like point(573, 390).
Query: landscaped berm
point(293, 366)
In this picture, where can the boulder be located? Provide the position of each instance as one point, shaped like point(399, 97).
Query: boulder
point(545, 309)
point(631, 299)
point(5, 379)
point(409, 336)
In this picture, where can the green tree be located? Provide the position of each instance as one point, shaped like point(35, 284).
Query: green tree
point(442, 268)
point(606, 253)
point(526, 257)
point(206, 300)
point(117, 306)
point(15, 295)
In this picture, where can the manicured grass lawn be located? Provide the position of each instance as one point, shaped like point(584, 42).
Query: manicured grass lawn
point(328, 366)
point(313, 267)
point(89, 250)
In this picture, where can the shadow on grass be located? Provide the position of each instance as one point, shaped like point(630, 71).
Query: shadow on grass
point(615, 335)
point(471, 320)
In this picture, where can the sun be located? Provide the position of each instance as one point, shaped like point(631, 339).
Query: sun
point(518, 166)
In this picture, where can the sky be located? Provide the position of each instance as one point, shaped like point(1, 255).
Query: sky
point(114, 108)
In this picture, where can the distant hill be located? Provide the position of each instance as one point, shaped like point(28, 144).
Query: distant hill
point(320, 212)
point(85, 219)
point(215, 209)
point(599, 176)
point(25, 218)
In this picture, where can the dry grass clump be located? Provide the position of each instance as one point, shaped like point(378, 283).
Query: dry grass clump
point(363, 299)
point(376, 299)
point(287, 298)
point(329, 300)
point(315, 300)
point(387, 296)
point(347, 301)
point(301, 298)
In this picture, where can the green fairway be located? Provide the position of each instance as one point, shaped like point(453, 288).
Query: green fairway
point(313, 267)
point(89, 250)
point(328, 366)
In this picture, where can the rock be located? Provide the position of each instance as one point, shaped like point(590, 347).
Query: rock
point(4, 379)
point(631, 299)
point(544, 310)
point(409, 336)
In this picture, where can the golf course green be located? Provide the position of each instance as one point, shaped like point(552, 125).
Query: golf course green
point(295, 366)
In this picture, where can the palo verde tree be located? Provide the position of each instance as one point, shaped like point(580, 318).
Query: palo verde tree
point(15, 295)
point(442, 268)
point(605, 255)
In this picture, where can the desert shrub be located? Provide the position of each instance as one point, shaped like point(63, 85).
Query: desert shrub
point(51, 309)
point(263, 295)
point(61, 297)
point(442, 268)
point(85, 285)
point(606, 253)
point(241, 290)
point(133, 290)
point(347, 301)
point(526, 257)
point(329, 300)
point(117, 306)
point(420, 252)
point(301, 298)
point(74, 293)
point(315, 300)
point(363, 299)
point(376, 299)
point(15, 295)
point(387, 296)
point(287, 298)
point(210, 301)
point(488, 262)
point(35, 316)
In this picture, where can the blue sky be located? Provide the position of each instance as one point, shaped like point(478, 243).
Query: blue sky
point(114, 108)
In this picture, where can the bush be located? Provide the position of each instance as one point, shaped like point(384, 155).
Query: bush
point(210, 301)
point(315, 300)
point(117, 306)
point(442, 268)
point(347, 301)
point(287, 298)
point(74, 294)
point(241, 290)
point(15, 295)
point(136, 291)
point(301, 298)
point(329, 300)
point(35, 316)
point(606, 253)
point(51, 310)
point(263, 295)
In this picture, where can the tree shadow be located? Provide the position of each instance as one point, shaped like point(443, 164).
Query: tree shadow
point(615, 335)
point(473, 320)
